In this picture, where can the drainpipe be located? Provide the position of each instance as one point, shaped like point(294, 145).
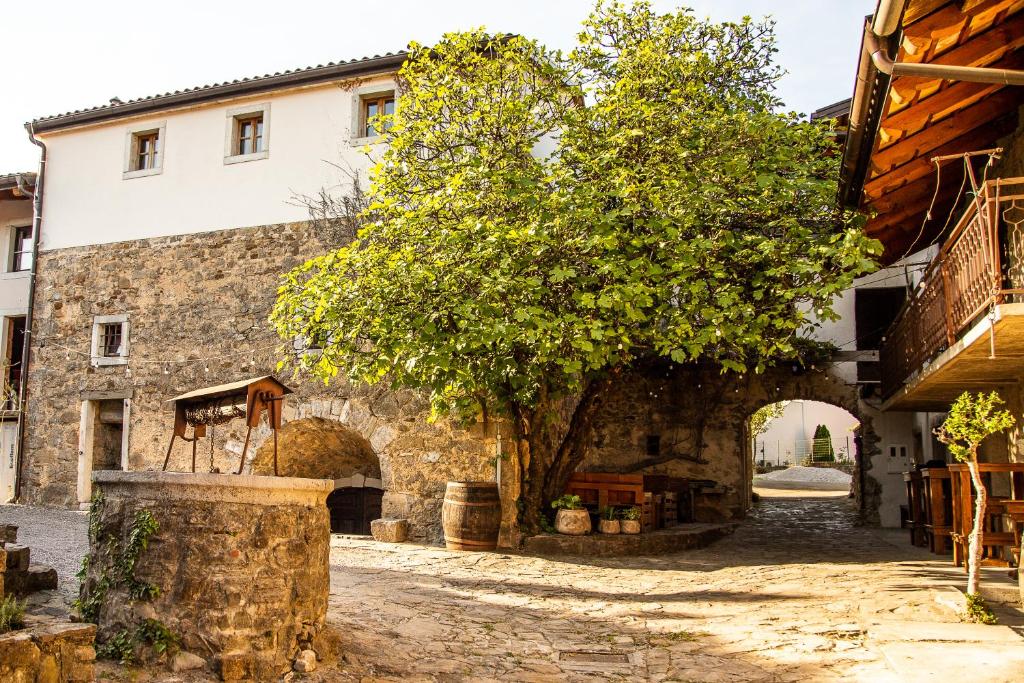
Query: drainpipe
point(37, 221)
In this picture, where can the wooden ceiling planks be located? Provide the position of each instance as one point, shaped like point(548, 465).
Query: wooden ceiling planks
point(928, 117)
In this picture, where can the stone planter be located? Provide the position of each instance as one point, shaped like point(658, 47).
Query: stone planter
point(240, 562)
point(609, 526)
point(572, 522)
point(630, 526)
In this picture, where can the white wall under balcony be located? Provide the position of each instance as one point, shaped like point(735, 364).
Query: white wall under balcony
point(843, 332)
point(88, 200)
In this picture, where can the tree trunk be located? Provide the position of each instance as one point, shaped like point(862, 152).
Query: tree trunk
point(977, 533)
point(551, 459)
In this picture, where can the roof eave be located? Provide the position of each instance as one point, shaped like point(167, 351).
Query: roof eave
point(378, 65)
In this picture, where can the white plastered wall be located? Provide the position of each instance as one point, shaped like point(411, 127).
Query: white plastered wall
point(89, 201)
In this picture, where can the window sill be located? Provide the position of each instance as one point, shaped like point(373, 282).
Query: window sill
point(128, 175)
point(372, 140)
point(16, 275)
point(99, 361)
point(242, 158)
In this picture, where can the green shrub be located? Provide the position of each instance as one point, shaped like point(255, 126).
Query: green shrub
point(567, 502)
point(12, 614)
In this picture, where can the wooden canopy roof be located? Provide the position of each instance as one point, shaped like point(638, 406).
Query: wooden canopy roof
point(891, 175)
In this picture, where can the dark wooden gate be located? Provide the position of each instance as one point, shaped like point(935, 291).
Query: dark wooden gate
point(352, 509)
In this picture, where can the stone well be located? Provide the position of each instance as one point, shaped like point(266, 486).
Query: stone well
point(240, 564)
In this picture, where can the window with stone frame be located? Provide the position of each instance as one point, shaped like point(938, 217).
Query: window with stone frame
point(110, 340)
point(247, 136)
point(382, 104)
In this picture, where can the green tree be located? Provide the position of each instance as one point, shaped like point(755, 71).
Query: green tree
point(972, 419)
point(821, 446)
point(542, 224)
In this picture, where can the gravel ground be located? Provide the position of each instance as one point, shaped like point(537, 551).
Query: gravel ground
point(57, 538)
point(805, 477)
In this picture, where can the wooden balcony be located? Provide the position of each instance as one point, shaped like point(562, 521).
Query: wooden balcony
point(963, 326)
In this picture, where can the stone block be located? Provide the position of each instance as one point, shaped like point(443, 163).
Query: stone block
point(186, 661)
point(305, 662)
point(8, 533)
point(41, 578)
point(17, 557)
point(390, 530)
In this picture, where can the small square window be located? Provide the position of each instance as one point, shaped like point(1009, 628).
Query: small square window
point(372, 107)
point(247, 133)
point(22, 251)
point(110, 340)
point(147, 151)
point(144, 151)
point(653, 444)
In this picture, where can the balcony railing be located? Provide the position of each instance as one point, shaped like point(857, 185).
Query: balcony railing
point(981, 265)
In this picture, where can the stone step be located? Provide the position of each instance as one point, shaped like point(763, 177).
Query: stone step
point(948, 661)
point(927, 631)
point(17, 557)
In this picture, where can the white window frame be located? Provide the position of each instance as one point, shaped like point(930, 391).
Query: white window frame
point(131, 149)
point(97, 326)
point(358, 96)
point(231, 132)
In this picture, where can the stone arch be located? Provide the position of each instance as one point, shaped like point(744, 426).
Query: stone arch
point(825, 387)
point(318, 448)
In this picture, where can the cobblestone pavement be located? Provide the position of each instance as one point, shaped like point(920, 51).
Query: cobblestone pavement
point(788, 597)
point(57, 538)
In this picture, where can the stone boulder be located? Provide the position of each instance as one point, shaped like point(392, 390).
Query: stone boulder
point(390, 530)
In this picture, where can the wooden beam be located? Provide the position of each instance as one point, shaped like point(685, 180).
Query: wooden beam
point(918, 9)
point(949, 26)
point(932, 137)
point(983, 50)
point(922, 166)
point(930, 109)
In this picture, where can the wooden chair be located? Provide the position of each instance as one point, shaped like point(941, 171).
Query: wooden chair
point(915, 508)
point(937, 507)
point(1000, 540)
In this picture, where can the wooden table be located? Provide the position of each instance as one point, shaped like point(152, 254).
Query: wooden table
point(938, 507)
point(915, 507)
point(996, 537)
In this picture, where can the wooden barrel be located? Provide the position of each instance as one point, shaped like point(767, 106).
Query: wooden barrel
point(471, 515)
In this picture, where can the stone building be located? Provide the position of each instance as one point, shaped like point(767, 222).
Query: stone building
point(168, 221)
point(16, 192)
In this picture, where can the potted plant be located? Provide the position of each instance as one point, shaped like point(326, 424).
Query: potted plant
point(609, 522)
point(631, 520)
point(572, 519)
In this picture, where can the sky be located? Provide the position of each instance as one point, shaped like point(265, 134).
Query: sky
point(61, 55)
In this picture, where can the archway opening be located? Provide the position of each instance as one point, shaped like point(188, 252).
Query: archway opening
point(318, 448)
point(802, 446)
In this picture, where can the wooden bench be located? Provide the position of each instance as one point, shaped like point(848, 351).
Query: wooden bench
point(603, 490)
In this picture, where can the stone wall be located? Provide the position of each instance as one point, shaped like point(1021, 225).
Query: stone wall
point(199, 304)
point(239, 564)
point(48, 652)
point(650, 418)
